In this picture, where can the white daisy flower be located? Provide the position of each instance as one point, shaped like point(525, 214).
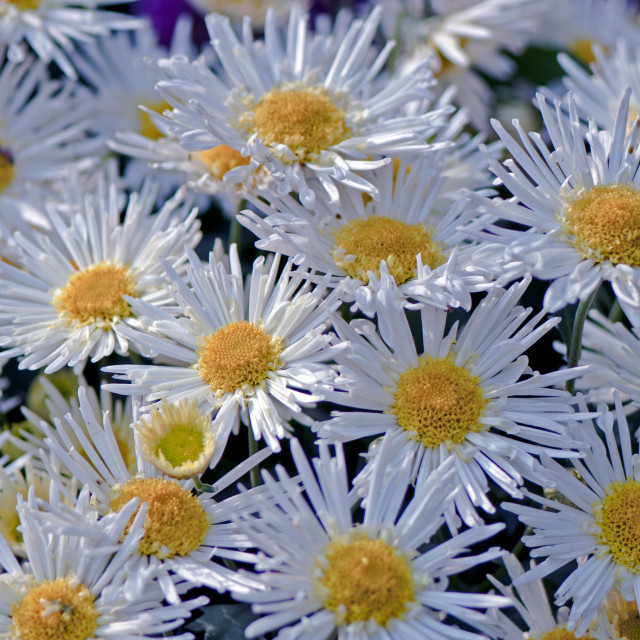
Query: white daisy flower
point(44, 132)
point(50, 27)
point(253, 352)
point(329, 575)
point(596, 523)
point(580, 205)
point(613, 351)
point(423, 251)
point(465, 40)
point(597, 91)
point(79, 585)
point(531, 602)
point(102, 403)
point(182, 532)
point(72, 280)
point(578, 25)
point(303, 106)
point(469, 396)
point(122, 71)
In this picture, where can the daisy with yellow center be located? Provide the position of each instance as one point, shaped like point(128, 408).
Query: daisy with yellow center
point(462, 398)
point(179, 530)
point(78, 295)
point(50, 27)
point(465, 42)
point(66, 588)
point(36, 150)
point(597, 520)
point(256, 356)
point(535, 613)
point(314, 121)
point(404, 237)
point(582, 208)
point(356, 577)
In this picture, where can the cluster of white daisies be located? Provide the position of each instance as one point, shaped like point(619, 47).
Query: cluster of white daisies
point(264, 328)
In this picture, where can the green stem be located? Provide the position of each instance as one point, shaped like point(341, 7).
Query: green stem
point(254, 474)
point(235, 232)
point(615, 313)
point(575, 348)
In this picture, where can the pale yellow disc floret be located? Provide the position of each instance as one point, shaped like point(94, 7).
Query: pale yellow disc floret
point(239, 355)
point(362, 243)
point(364, 580)
point(604, 224)
point(59, 609)
point(176, 438)
point(95, 293)
point(305, 120)
point(175, 525)
point(7, 169)
point(618, 515)
point(562, 633)
point(221, 159)
point(438, 402)
point(146, 127)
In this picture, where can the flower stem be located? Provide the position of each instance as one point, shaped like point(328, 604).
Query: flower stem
point(575, 348)
point(235, 232)
point(254, 474)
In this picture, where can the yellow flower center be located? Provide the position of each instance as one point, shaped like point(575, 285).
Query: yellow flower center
point(176, 523)
point(177, 439)
point(562, 633)
point(582, 49)
point(618, 515)
point(55, 610)
point(438, 402)
point(366, 580)
point(629, 629)
point(146, 127)
point(237, 355)
point(362, 243)
point(605, 224)
point(305, 120)
point(95, 294)
point(221, 159)
point(7, 170)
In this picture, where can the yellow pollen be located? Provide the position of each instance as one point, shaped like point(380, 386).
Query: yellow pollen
point(305, 120)
point(583, 50)
point(438, 402)
point(7, 169)
point(605, 224)
point(237, 355)
point(177, 439)
point(146, 127)
point(221, 159)
point(362, 243)
point(95, 294)
point(618, 515)
point(562, 633)
point(176, 523)
point(55, 610)
point(366, 580)
point(629, 629)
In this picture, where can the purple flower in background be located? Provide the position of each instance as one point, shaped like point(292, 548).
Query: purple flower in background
point(163, 16)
